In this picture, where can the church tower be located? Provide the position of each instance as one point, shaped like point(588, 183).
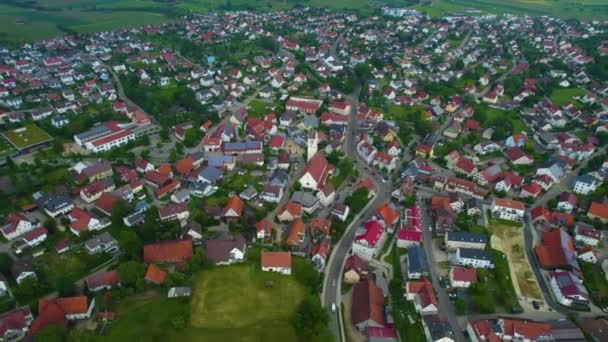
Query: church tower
point(313, 141)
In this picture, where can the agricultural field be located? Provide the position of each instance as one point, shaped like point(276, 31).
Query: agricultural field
point(26, 136)
point(582, 9)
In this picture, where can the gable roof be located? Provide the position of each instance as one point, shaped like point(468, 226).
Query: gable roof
point(235, 204)
point(276, 259)
point(155, 275)
point(168, 251)
point(368, 303)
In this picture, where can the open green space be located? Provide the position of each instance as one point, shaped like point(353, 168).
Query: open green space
point(596, 283)
point(26, 136)
point(583, 9)
point(236, 298)
point(559, 97)
point(228, 304)
point(258, 108)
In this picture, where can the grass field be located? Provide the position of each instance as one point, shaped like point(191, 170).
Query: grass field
point(509, 239)
point(582, 9)
point(228, 304)
point(26, 136)
point(560, 96)
point(235, 298)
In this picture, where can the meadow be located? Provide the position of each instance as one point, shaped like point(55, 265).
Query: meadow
point(580, 9)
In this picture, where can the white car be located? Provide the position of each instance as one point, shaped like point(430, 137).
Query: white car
point(333, 307)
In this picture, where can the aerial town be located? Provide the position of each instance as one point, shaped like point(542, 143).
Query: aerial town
point(307, 175)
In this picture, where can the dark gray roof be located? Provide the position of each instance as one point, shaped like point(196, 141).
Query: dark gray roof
point(416, 260)
point(472, 253)
point(467, 237)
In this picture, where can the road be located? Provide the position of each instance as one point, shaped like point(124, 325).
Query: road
point(333, 271)
point(530, 240)
point(446, 306)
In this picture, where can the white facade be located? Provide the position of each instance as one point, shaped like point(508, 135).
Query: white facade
point(584, 188)
point(461, 260)
point(507, 213)
point(23, 226)
point(106, 146)
point(281, 270)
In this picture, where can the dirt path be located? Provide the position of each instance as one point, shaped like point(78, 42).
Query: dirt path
point(510, 240)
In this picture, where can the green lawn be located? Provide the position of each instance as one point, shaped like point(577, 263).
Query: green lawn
point(584, 9)
point(228, 304)
point(26, 136)
point(234, 299)
point(258, 109)
point(560, 96)
point(596, 283)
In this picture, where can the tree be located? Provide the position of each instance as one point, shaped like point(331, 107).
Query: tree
point(120, 209)
point(310, 321)
point(130, 244)
point(65, 286)
point(5, 264)
point(130, 272)
point(357, 200)
point(52, 333)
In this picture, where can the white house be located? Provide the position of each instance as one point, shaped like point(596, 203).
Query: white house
point(587, 234)
point(471, 257)
point(326, 195)
point(508, 209)
point(279, 262)
point(585, 184)
point(567, 288)
point(17, 225)
point(462, 277)
point(369, 240)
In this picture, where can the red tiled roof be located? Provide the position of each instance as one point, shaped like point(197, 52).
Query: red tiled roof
point(168, 251)
point(155, 275)
point(599, 210)
point(276, 259)
point(236, 204)
point(464, 274)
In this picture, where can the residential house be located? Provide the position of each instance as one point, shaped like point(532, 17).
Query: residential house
point(416, 264)
point(587, 235)
point(279, 262)
point(437, 328)
point(61, 310)
point(233, 209)
point(102, 243)
point(369, 240)
point(471, 257)
point(568, 289)
point(368, 306)
point(422, 294)
point(455, 240)
point(225, 252)
point(17, 225)
point(355, 269)
point(103, 281)
point(508, 209)
point(170, 251)
point(598, 211)
point(462, 277)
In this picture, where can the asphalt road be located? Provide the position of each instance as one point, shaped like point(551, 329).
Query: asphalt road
point(445, 305)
